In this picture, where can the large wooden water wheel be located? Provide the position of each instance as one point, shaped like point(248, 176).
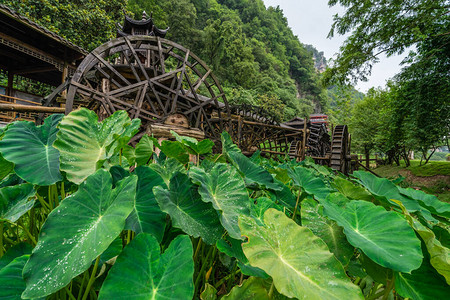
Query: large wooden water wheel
point(152, 79)
point(340, 149)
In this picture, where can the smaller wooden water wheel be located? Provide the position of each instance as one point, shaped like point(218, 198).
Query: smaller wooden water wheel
point(152, 79)
point(340, 149)
point(318, 142)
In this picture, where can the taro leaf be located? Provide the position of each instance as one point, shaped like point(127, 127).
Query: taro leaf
point(6, 167)
point(299, 262)
point(30, 148)
point(422, 284)
point(375, 271)
point(175, 149)
point(253, 288)
point(146, 215)
point(167, 168)
point(10, 180)
point(118, 173)
point(209, 293)
point(14, 201)
point(130, 154)
point(152, 275)
point(283, 196)
point(386, 190)
point(351, 190)
point(14, 252)
point(439, 255)
point(225, 189)
point(96, 215)
point(193, 146)
point(233, 248)
point(187, 211)
point(11, 281)
point(306, 179)
point(376, 232)
point(144, 150)
point(259, 207)
point(442, 235)
point(327, 230)
point(430, 202)
point(254, 175)
point(112, 251)
point(85, 144)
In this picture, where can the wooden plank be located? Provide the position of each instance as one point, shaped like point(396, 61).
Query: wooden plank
point(30, 108)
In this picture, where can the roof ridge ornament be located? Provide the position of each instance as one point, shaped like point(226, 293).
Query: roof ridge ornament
point(145, 26)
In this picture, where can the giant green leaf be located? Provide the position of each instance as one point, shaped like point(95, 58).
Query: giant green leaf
point(377, 233)
point(430, 202)
point(11, 281)
point(167, 168)
point(144, 150)
point(141, 272)
point(327, 230)
point(351, 190)
point(14, 252)
point(254, 174)
point(299, 262)
point(253, 288)
point(5, 167)
point(306, 179)
point(283, 196)
point(175, 149)
point(422, 284)
point(186, 209)
point(146, 215)
point(193, 146)
point(30, 148)
point(225, 189)
point(14, 201)
point(384, 188)
point(259, 207)
point(439, 254)
point(77, 231)
point(85, 143)
point(233, 248)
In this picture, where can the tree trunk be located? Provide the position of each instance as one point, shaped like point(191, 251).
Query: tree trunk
point(367, 154)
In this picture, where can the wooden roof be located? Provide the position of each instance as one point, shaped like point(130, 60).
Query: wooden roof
point(30, 50)
point(144, 27)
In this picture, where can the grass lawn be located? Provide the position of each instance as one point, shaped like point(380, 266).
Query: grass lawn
point(433, 178)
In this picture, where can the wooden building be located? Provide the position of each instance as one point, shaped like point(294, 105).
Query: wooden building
point(32, 51)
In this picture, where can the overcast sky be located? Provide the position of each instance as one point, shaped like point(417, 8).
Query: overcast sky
point(311, 21)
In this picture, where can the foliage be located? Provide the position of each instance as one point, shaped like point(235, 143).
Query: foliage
point(170, 230)
point(86, 23)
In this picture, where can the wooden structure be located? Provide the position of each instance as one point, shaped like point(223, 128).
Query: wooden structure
point(170, 88)
point(31, 51)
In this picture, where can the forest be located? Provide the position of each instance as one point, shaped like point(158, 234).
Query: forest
point(259, 61)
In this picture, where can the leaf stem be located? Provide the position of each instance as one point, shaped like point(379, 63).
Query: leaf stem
point(63, 192)
point(218, 284)
point(69, 293)
point(296, 203)
point(198, 248)
point(388, 289)
point(24, 228)
point(82, 284)
point(271, 291)
point(1, 238)
point(91, 279)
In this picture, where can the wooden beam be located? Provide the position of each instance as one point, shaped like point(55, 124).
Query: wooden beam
point(30, 108)
point(35, 70)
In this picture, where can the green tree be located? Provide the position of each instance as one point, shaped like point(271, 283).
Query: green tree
point(87, 23)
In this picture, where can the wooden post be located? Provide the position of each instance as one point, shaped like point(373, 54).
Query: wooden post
point(9, 89)
point(304, 140)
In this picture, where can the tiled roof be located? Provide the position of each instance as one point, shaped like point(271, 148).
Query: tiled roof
point(8, 11)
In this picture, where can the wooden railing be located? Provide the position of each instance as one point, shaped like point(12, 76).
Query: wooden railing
point(10, 116)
